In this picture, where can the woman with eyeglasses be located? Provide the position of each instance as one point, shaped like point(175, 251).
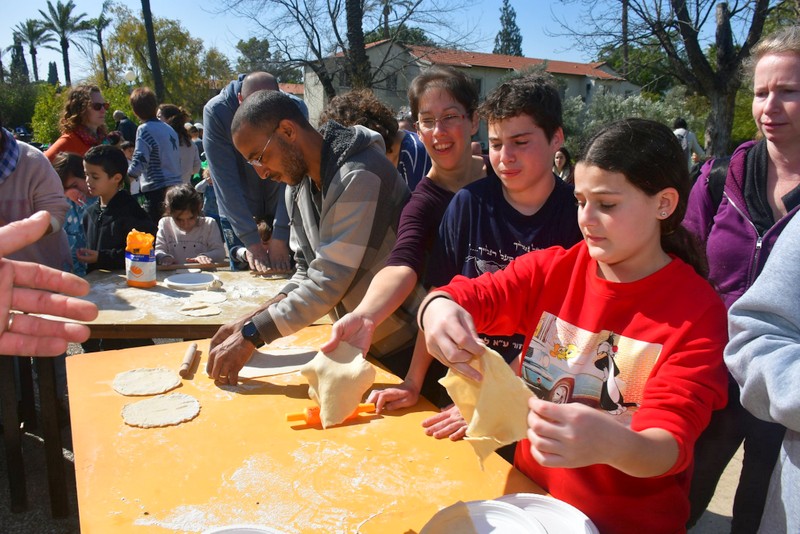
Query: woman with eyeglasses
point(444, 102)
point(83, 123)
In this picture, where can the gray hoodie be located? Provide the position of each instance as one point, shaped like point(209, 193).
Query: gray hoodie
point(341, 237)
point(764, 356)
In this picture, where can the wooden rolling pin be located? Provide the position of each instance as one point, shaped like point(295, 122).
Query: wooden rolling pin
point(203, 266)
point(188, 360)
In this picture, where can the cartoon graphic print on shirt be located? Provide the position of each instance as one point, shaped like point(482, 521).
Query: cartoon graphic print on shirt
point(611, 399)
point(565, 363)
point(485, 259)
point(488, 260)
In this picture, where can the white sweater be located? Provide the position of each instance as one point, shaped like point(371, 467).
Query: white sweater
point(204, 238)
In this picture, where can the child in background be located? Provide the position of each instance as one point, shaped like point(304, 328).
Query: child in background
point(189, 156)
point(184, 235)
point(133, 183)
point(107, 222)
point(239, 253)
point(156, 157)
point(69, 168)
point(206, 188)
point(623, 334)
point(127, 149)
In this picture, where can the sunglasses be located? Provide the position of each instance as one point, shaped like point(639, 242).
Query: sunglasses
point(97, 106)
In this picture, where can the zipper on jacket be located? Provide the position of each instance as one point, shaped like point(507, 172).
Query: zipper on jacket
point(756, 256)
point(751, 276)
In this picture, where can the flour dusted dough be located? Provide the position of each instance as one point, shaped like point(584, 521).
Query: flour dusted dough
point(496, 408)
point(146, 381)
point(199, 309)
point(276, 361)
point(337, 381)
point(209, 297)
point(163, 410)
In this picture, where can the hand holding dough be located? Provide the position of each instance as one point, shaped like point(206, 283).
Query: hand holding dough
point(496, 408)
point(337, 381)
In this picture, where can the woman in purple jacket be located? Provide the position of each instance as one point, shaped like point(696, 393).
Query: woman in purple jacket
point(761, 194)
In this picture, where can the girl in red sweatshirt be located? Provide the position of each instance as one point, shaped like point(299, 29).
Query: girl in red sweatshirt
point(624, 337)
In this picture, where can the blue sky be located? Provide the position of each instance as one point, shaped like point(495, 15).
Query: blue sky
point(533, 17)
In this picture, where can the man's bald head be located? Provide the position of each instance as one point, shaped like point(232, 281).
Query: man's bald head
point(258, 81)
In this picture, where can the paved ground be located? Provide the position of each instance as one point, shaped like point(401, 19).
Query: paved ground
point(37, 519)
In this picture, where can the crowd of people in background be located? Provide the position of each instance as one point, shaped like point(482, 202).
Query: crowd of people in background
point(621, 264)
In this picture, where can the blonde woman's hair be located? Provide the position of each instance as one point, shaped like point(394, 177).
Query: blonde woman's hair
point(783, 41)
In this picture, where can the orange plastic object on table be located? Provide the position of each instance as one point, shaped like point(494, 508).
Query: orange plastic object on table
point(311, 415)
point(140, 259)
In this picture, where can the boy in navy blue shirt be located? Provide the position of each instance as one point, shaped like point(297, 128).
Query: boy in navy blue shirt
point(490, 222)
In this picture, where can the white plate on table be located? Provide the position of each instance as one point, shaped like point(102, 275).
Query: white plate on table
point(557, 517)
point(482, 517)
point(190, 281)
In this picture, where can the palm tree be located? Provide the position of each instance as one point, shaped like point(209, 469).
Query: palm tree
point(97, 26)
point(358, 64)
point(32, 33)
point(60, 21)
point(2, 69)
point(155, 66)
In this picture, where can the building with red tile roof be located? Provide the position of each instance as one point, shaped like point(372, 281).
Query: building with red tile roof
point(401, 63)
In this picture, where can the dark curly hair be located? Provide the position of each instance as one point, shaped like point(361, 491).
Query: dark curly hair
point(535, 95)
point(177, 118)
point(78, 100)
point(361, 106)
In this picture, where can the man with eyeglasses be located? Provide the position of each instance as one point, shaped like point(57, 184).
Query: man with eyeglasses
point(242, 198)
point(344, 202)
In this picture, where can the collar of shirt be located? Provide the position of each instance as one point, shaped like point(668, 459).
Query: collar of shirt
point(10, 156)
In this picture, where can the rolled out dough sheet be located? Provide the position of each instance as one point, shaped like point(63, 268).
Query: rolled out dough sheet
point(163, 410)
point(209, 297)
point(199, 309)
point(146, 381)
point(276, 361)
point(495, 409)
point(337, 381)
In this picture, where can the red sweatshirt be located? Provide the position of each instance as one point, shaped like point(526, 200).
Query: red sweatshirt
point(648, 352)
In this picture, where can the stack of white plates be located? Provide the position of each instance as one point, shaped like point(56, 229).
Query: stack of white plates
point(524, 513)
point(482, 517)
point(191, 281)
point(557, 517)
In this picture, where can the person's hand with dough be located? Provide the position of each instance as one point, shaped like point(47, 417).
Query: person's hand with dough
point(202, 258)
point(165, 259)
point(394, 398)
point(449, 423)
point(230, 351)
point(450, 334)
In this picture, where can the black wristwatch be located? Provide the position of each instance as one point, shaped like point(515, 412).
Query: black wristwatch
point(250, 333)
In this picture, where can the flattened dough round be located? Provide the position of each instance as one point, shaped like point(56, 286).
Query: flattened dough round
point(199, 309)
point(209, 297)
point(146, 381)
point(163, 410)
